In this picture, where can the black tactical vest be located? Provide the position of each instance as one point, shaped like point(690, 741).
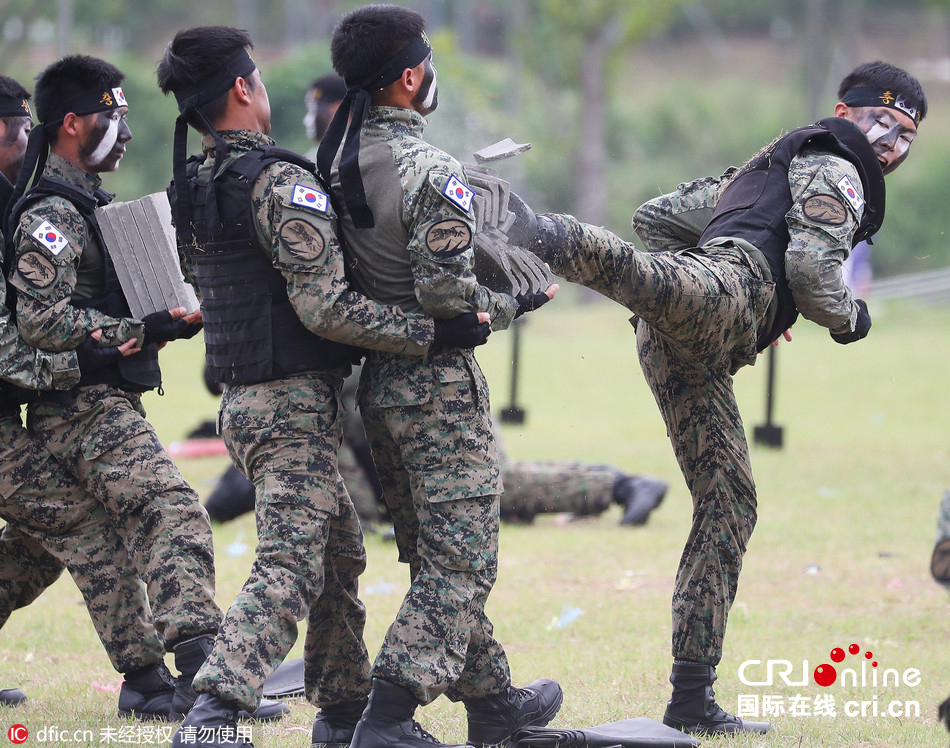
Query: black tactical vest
point(252, 333)
point(754, 204)
point(136, 373)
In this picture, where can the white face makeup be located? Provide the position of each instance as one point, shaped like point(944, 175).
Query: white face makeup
point(105, 141)
point(105, 146)
point(888, 136)
point(427, 99)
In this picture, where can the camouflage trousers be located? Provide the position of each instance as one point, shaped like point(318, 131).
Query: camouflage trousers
point(699, 313)
point(104, 441)
point(51, 523)
point(284, 436)
point(429, 425)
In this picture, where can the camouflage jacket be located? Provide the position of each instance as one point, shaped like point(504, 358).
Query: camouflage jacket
point(29, 367)
point(56, 260)
point(303, 247)
point(816, 250)
point(420, 253)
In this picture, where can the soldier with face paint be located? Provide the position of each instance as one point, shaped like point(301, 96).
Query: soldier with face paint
point(66, 289)
point(732, 262)
point(407, 218)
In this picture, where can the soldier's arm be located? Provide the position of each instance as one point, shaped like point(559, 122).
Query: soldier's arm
point(677, 220)
point(306, 251)
point(821, 224)
point(44, 275)
point(441, 248)
point(29, 367)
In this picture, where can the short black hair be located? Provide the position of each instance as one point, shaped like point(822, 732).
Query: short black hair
point(365, 39)
point(12, 89)
point(883, 75)
point(328, 88)
point(68, 79)
point(196, 54)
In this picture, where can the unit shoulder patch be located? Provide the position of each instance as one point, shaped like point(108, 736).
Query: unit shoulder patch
point(449, 237)
point(826, 209)
point(301, 240)
point(36, 269)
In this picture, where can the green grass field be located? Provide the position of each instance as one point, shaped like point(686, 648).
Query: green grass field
point(847, 513)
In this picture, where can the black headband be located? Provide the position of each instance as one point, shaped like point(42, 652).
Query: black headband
point(357, 102)
point(11, 106)
point(858, 97)
point(87, 103)
point(191, 100)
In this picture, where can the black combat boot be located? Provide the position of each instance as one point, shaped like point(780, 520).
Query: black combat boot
point(11, 696)
point(693, 707)
point(147, 693)
point(387, 720)
point(492, 720)
point(211, 723)
point(190, 655)
point(638, 495)
point(334, 725)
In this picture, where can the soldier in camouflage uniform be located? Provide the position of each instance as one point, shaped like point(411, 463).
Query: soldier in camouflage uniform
point(32, 484)
point(262, 245)
point(773, 247)
point(427, 419)
point(67, 288)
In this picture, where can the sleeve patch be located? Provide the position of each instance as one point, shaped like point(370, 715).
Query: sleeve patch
point(459, 193)
point(825, 209)
point(449, 237)
point(308, 197)
point(36, 269)
point(50, 237)
point(300, 239)
point(850, 192)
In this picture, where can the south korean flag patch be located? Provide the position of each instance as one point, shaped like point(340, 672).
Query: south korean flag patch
point(850, 192)
point(120, 99)
point(50, 237)
point(459, 193)
point(308, 197)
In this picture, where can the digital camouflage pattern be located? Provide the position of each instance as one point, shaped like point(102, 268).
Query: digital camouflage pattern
point(47, 272)
point(428, 419)
point(51, 524)
point(303, 246)
point(420, 254)
point(105, 442)
point(284, 435)
point(101, 437)
point(699, 311)
point(535, 487)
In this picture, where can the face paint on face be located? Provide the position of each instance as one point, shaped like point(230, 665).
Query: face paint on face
point(310, 118)
point(890, 139)
point(427, 98)
point(16, 132)
point(105, 142)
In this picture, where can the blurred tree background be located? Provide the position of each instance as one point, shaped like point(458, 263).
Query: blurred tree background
point(622, 99)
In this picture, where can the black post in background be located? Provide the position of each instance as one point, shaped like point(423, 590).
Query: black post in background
point(513, 413)
point(769, 434)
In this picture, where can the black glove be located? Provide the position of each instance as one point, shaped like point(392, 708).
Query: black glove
point(93, 358)
point(464, 331)
point(549, 237)
point(160, 327)
point(528, 302)
point(862, 325)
